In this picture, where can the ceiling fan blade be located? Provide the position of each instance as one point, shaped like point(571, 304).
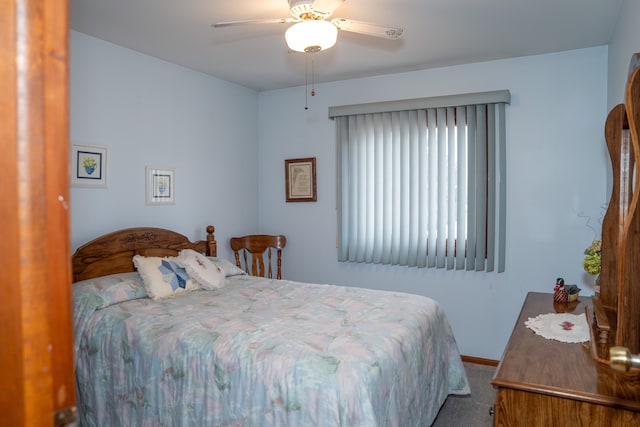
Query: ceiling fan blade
point(392, 33)
point(326, 7)
point(255, 22)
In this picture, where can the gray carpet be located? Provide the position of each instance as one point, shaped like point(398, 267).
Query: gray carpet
point(472, 410)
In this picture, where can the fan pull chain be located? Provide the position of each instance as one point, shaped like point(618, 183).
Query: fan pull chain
point(306, 80)
point(313, 77)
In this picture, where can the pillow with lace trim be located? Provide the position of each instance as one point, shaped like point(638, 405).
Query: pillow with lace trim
point(209, 275)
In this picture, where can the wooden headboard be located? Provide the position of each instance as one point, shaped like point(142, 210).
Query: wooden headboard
point(113, 253)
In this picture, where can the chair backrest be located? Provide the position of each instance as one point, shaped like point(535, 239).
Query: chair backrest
point(258, 246)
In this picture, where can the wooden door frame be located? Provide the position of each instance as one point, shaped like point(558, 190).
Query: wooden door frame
point(36, 381)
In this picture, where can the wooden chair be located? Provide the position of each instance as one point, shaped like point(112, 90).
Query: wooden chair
point(259, 246)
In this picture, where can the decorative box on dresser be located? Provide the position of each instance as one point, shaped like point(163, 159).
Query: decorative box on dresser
point(543, 382)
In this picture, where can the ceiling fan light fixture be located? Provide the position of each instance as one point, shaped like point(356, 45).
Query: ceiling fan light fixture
point(311, 36)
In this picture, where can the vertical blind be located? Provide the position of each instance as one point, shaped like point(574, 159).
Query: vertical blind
point(422, 182)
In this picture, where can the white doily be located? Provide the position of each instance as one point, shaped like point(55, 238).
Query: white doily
point(565, 327)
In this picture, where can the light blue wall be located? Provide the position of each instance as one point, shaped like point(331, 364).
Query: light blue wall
point(150, 112)
point(556, 173)
point(624, 43)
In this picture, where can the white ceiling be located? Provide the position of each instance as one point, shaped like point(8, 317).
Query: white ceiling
point(437, 33)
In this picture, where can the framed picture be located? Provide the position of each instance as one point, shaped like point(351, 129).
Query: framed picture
point(300, 179)
point(88, 166)
point(161, 186)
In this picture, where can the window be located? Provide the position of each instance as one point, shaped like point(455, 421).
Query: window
point(422, 182)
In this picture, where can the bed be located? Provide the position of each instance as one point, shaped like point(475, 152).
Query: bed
point(252, 351)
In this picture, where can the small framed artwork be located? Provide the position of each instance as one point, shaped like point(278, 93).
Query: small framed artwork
point(300, 180)
point(161, 186)
point(88, 166)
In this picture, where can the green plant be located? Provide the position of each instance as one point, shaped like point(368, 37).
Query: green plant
point(593, 258)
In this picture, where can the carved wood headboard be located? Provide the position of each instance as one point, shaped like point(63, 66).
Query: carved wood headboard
point(113, 253)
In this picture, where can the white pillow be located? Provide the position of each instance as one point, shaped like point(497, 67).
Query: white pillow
point(229, 268)
point(208, 275)
point(163, 277)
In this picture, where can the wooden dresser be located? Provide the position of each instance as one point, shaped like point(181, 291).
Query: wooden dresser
point(545, 382)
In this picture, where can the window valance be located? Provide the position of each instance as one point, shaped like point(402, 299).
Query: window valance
point(492, 97)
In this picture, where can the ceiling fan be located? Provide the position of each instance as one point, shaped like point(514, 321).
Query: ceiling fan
point(312, 32)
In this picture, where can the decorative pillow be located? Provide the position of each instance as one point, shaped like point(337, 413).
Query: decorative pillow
point(209, 275)
point(229, 268)
point(163, 277)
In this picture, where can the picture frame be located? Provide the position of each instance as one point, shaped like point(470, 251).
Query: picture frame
point(160, 186)
point(88, 166)
point(300, 180)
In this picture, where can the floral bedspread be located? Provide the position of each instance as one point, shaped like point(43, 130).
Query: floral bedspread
point(260, 352)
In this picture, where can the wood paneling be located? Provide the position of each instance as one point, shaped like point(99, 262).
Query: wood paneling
point(58, 241)
point(12, 398)
point(35, 311)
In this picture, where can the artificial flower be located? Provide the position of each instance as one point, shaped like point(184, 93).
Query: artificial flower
point(593, 258)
